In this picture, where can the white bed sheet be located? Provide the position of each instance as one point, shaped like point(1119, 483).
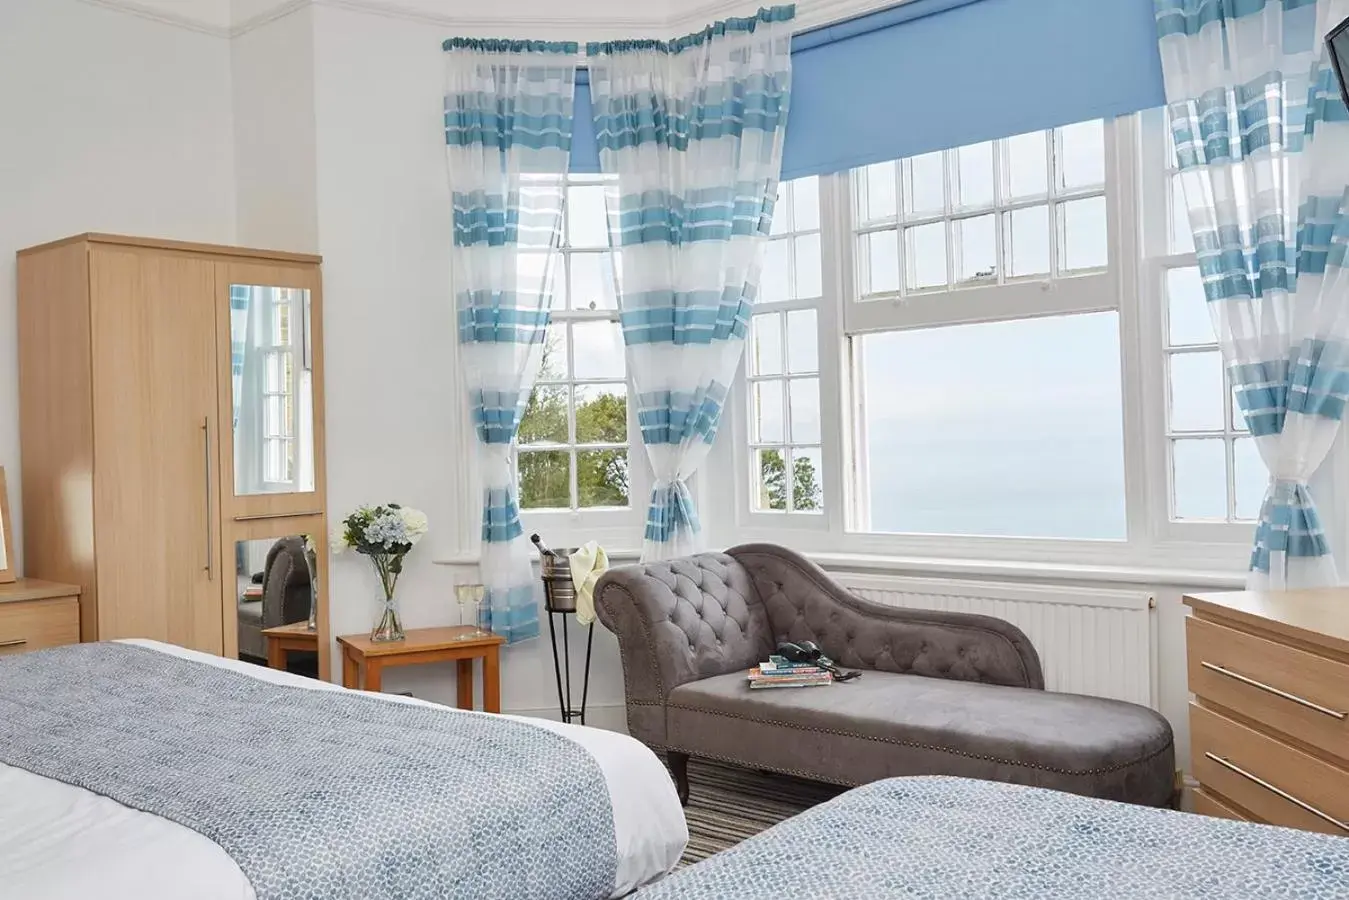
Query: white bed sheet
point(58, 841)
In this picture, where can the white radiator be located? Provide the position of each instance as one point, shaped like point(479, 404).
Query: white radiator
point(1090, 641)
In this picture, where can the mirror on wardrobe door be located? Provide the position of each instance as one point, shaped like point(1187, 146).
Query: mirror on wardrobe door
point(276, 604)
point(271, 367)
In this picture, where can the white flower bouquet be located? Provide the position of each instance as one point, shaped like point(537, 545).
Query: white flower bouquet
point(386, 534)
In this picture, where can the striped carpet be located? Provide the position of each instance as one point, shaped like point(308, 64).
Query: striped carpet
point(728, 804)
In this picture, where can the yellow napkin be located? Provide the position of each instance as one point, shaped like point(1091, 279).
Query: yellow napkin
point(588, 563)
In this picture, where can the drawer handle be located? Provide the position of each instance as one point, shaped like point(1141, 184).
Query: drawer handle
point(17, 642)
point(1334, 714)
point(1231, 766)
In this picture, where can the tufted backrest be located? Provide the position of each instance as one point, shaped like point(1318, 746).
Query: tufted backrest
point(804, 604)
point(680, 621)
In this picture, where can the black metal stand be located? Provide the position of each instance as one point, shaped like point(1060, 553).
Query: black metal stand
point(569, 714)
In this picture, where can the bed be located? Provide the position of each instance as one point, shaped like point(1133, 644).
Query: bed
point(939, 837)
point(59, 840)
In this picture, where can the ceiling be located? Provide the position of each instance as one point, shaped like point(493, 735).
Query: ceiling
point(572, 19)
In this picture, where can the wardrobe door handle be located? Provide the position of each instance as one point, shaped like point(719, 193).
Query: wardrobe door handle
point(1278, 792)
point(206, 447)
point(1260, 685)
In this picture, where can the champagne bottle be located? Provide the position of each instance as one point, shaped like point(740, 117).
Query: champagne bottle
point(543, 548)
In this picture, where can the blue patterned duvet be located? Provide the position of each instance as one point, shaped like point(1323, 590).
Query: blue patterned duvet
point(956, 838)
point(317, 795)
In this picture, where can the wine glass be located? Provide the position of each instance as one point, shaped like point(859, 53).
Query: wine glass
point(470, 598)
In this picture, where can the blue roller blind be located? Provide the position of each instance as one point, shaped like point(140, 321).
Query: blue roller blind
point(931, 74)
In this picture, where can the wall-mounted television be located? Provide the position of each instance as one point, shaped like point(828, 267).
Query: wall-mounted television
point(1338, 41)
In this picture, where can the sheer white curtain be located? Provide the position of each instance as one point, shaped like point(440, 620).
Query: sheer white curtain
point(1262, 140)
point(692, 129)
point(508, 127)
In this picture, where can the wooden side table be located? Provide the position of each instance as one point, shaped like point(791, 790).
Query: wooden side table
point(364, 660)
point(36, 614)
point(282, 639)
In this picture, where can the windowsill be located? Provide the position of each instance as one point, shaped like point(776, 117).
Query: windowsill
point(918, 566)
point(1039, 571)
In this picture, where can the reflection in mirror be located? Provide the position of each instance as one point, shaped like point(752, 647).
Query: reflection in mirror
point(277, 604)
point(271, 367)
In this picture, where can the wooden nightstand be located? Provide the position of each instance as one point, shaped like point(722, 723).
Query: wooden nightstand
point(36, 614)
point(282, 639)
point(364, 660)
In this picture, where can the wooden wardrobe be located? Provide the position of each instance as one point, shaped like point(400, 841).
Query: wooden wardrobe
point(136, 477)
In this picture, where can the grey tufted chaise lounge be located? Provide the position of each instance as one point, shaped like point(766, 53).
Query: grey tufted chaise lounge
point(942, 694)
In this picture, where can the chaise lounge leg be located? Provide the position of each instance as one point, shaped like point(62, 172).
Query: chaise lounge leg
point(679, 767)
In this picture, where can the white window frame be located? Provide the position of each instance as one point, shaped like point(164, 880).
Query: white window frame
point(282, 351)
point(1156, 168)
point(615, 527)
point(1151, 539)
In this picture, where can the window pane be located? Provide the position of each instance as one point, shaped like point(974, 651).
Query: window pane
point(876, 192)
point(803, 342)
point(804, 394)
point(272, 382)
point(1250, 477)
point(1027, 165)
point(1080, 154)
point(586, 222)
point(766, 413)
point(976, 240)
point(1182, 237)
point(770, 470)
point(602, 413)
point(592, 281)
point(1004, 428)
point(1188, 319)
point(882, 251)
point(545, 420)
point(974, 165)
point(773, 284)
point(545, 479)
point(1199, 470)
point(1026, 241)
point(808, 277)
point(1197, 391)
point(925, 253)
point(806, 203)
point(601, 478)
point(807, 479)
point(766, 348)
point(599, 350)
point(1082, 235)
point(531, 269)
point(782, 213)
point(554, 364)
point(924, 185)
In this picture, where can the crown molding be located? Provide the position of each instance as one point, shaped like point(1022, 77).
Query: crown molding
point(810, 14)
point(155, 14)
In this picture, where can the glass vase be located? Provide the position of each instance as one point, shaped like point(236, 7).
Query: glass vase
point(390, 625)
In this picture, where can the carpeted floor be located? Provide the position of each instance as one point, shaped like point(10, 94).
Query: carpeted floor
point(728, 804)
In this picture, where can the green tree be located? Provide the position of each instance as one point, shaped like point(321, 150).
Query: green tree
point(806, 491)
point(545, 474)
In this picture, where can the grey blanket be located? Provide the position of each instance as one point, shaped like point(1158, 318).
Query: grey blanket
point(317, 794)
point(937, 837)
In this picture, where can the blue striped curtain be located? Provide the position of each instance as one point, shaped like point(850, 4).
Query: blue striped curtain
point(1262, 142)
point(508, 128)
point(691, 130)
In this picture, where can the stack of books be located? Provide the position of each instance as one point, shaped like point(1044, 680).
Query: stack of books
point(780, 672)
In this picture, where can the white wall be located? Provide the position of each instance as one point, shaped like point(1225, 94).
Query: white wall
point(111, 122)
point(274, 137)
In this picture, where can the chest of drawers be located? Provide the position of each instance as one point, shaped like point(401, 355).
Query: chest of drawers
point(1269, 723)
point(36, 614)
